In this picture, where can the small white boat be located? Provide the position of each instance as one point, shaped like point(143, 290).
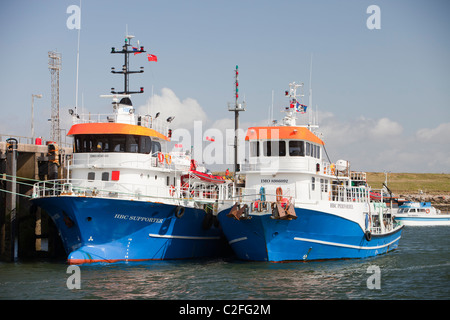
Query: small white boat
point(420, 214)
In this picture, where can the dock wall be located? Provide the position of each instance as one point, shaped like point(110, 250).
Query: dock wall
point(26, 231)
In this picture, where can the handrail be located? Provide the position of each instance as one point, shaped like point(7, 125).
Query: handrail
point(146, 121)
point(108, 189)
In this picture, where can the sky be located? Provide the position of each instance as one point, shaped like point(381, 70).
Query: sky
point(382, 96)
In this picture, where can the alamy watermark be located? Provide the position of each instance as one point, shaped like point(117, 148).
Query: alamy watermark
point(74, 280)
point(374, 20)
point(374, 281)
point(74, 20)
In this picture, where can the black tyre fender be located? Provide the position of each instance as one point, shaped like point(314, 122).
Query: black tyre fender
point(179, 211)
point(368, 235)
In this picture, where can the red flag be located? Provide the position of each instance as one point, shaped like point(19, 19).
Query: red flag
point(210, 139)
point(178, 145)
point(152, 57)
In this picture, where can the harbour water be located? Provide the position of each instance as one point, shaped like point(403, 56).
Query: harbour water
point(418, 269)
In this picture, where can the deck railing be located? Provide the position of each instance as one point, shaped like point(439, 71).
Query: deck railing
point(204, 193)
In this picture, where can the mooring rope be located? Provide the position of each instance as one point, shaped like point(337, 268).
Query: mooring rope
point(16, 193)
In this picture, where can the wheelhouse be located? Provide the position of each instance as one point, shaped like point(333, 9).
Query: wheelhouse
point(115, 143)
point(284, 148)
point(116, 137)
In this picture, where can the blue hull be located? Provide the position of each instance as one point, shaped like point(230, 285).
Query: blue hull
point(111, 230)
point(313, 235)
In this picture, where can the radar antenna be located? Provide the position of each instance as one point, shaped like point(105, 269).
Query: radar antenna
point(126, 68)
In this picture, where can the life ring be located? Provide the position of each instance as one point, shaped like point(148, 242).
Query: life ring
point(427, 210)
point(172, 190)
point(160, 157)
point(279, 194)
point(368, 235)
point(179, 212)
point(168, 159)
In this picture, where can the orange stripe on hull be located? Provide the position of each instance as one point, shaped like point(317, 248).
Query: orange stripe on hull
point(85, 261)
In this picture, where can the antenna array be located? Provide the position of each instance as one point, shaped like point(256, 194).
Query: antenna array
point(54, 65)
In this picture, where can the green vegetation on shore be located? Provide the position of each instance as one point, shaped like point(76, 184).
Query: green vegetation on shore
point(411, 183)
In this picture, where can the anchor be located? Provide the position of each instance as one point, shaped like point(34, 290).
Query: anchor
point(239, 213)
point(288, 213)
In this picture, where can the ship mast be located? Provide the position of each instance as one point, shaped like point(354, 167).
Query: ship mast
point(237, 107)
point(125, 68)
point(291, 111)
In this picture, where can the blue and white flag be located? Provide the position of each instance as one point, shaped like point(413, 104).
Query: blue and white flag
point(300, 107)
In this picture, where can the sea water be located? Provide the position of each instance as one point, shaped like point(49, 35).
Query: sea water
point(418, 269)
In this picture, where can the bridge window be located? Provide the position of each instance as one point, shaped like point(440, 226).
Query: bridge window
point(113, 143)
point(117, 144)
point(145, 145)
point(156, 147)
point(312, 150)
point(132, 143)
point(274, 148)
point(254, 149)
point(296, 148)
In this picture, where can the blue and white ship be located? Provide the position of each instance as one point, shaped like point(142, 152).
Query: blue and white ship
point(420, 214)
point(296, 206)
point(127, 198)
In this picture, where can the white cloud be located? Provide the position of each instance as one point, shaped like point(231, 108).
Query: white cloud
point(358, 130)
point(380, 144)
point(440, 134)
point(223, 124)
point(385, 128)
point(168, 104)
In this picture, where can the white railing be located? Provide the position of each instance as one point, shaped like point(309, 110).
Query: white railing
point(349, 194)
point(249, 195)
point(106, 189)
point(145, 121)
